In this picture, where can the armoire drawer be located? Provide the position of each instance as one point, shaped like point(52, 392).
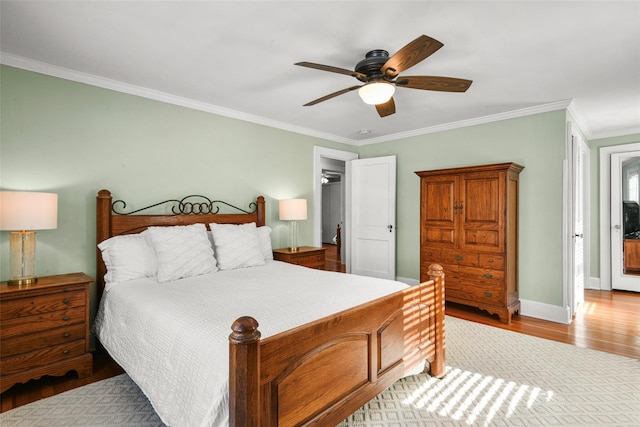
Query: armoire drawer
point(460, 258)
point(493, 294)
point(480, 276)
point(491, 261)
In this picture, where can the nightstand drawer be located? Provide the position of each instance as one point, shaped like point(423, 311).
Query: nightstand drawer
point(22, 307)
point(42, 357)
point(313, 261)
point(306, 256)
point(31, 342)
point(43, 322)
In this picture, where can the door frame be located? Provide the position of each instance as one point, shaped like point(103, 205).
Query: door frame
point(605, 209)
point(569, 297)
point(329, 153)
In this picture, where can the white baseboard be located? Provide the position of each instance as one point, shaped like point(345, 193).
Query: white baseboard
point(594, 283)
point(539, 310)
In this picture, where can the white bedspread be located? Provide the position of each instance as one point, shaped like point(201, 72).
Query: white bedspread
point(172, 338)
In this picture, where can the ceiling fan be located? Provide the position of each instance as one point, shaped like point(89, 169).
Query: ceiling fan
point(380, 73)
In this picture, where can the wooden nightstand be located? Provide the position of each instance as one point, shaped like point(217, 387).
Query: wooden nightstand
point(307, 256)
point(44, 329)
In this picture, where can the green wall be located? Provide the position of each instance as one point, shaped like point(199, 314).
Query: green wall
point(537, 142)
point(75, 139)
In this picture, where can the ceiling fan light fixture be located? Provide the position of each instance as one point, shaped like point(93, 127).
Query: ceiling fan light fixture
point(376, 93)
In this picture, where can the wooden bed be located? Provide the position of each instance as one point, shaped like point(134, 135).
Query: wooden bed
point(321, 372)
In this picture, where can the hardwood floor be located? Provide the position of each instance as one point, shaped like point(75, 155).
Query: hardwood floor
point(332, 261)
point(607, 321)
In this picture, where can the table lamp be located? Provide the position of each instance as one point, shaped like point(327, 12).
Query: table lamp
point(21, 213)
point(293, 210)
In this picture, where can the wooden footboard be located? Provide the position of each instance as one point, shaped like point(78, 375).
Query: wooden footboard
point(321, 372)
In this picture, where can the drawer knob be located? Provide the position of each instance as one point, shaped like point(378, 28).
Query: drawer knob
point(488, 275)
point(488, 294)
point(66, 300)
point(66, 335)
point(491, 260)
point(65, 352)
point(430, 253)
point(459, 257)
point(66, 318)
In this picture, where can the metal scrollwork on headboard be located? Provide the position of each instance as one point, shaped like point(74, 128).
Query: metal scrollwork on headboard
point(200, 205)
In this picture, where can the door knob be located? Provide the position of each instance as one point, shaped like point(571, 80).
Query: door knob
point(390, 227)
point(579, 235)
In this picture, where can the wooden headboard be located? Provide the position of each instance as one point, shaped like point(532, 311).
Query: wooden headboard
point(188, 210)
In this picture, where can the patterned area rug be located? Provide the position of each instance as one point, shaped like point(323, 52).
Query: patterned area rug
point(495, 378)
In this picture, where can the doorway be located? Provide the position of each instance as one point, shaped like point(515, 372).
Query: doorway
point(625, 221)
point(333, 209)
point(328, 159)
point(611, 209)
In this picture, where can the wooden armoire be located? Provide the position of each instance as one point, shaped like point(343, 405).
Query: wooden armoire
point(469, 225)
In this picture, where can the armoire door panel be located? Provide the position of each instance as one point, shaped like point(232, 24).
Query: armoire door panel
point(439, 203)
point(483, 211)
point(482, 240)
point(441, 236)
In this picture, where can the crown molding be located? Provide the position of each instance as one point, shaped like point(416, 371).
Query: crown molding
point(543, 108)
point(93, 80)
point(102, 82)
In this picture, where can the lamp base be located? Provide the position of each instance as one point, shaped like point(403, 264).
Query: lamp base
point(293, 237)
point(22, 282)
point(22, 249)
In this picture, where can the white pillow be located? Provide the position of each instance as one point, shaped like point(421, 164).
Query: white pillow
point(182, 251)
point(264, 239)
point(128, 257)
point(237, 245)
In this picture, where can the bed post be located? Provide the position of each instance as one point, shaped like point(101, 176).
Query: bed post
point(437, 275)
point(244, 373)
point(103, 232)
point(260, 211)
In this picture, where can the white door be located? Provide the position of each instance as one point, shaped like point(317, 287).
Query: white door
point(373, 216)
point(619, 280)
point(579, 228)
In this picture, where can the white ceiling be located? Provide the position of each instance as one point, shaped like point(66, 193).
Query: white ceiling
point(236, 58)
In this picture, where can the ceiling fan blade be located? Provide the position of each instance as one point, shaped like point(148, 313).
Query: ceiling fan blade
point(332, 69)
point(386, 109)
point(444, 84)
point(331, 95)
point(416, 51)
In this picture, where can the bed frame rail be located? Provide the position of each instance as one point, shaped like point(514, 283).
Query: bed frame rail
point(321, 372)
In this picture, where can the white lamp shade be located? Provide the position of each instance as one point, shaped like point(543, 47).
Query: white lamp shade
point(376, 93)
point(293, 209)
point(20, 210)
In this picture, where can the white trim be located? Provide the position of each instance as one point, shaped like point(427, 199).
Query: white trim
point(543, 108)
point(567, 262)
point(605, 209)
point(105, 83)
point(544, 311)
point(93, 80)
point(594, 283)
